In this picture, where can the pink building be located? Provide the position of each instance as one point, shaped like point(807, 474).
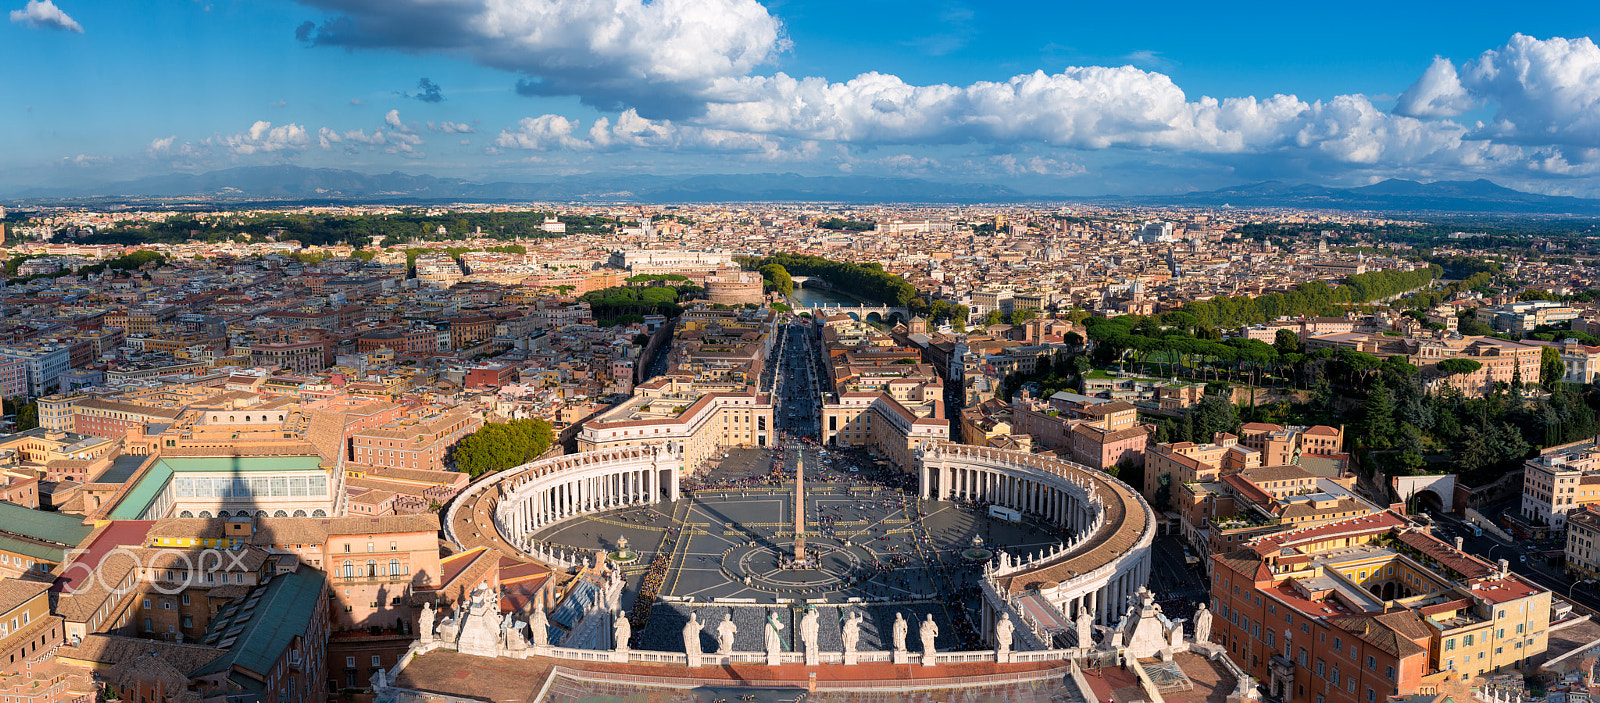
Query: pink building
point(13, 378)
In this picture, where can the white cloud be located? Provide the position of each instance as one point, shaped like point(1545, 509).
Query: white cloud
point(451, 127)
point(542, 133)
point(43, 14)
point(656, 55)
point(1438, 93)
point(1545, 91)
point(1011, 165)
point(393, 120)
point(263, 138)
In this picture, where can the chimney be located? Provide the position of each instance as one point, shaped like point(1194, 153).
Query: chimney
point(1459, 540)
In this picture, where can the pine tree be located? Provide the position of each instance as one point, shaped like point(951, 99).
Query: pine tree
point(1378, 417)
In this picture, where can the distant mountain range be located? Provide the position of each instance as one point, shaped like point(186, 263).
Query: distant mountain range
point(299, 184)
point(1393, 195)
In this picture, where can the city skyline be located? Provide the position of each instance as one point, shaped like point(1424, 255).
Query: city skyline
point(1157, 99)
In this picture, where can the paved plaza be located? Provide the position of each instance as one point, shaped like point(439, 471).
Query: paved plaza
point(876, 546)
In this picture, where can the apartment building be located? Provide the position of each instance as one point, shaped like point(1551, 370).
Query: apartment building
point(1560, 480)
point(423, 442)
point(1362, 609)
point(1582, 547)
point(1281, 445)
point(26, 623)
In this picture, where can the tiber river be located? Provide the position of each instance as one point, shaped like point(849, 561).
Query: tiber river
point(807, 297)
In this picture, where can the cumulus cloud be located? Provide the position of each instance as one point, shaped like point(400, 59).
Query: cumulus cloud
point(263, 138)
point(656, 56)
point(631, 131)
point(43, 14)
point(1438, 93)
point(394, 137)
point(451, 127)
point(393, 120)
point(542, 133)
point(1544, 91)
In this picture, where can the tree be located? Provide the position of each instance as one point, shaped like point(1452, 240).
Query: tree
point(1377, 417)
point(28, 416)
point(1551, 368)
point(500, 446)
point(777, 278)
point(1286, 342)
point(1020, 316)
point(1215, 413)
point(994, 318)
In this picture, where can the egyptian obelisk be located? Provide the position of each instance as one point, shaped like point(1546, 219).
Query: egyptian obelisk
point(800, 508)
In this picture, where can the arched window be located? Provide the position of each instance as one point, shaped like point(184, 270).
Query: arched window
point(205, 513)
point(394, 567)
point(280, 513)
point(372, 568)
point(231, 418)
point(186, 513)
point(349, 570)
point(299, 513)
point(319, 512)
point(261, 513)
point(222, 514)
point(247, 418)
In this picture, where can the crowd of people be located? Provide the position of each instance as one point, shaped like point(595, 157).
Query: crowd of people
point(649, 588)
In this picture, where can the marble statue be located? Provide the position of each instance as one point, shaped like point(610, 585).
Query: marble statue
point(1085, 629)
point(425, 623)
point(480, 629)
point(725, 633)
point(379, 680)
point(1002, 633)
point(928, 632)
point(691, 637)
point(770, 636)
point(808, 629)
point(539, 624)
point(621, 631)
point(852, 632)
point(900, 629)
point(1202, 624)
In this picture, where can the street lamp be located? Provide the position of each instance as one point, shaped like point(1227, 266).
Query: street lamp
point(1497, 545)
point(1575, 585)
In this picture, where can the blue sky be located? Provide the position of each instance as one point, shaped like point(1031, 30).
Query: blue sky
point(1059, 97)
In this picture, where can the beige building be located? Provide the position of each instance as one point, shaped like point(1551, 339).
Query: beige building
point(694, 421)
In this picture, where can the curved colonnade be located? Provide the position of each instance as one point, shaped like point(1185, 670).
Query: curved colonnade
point(1100, 567)
point(529, 497)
